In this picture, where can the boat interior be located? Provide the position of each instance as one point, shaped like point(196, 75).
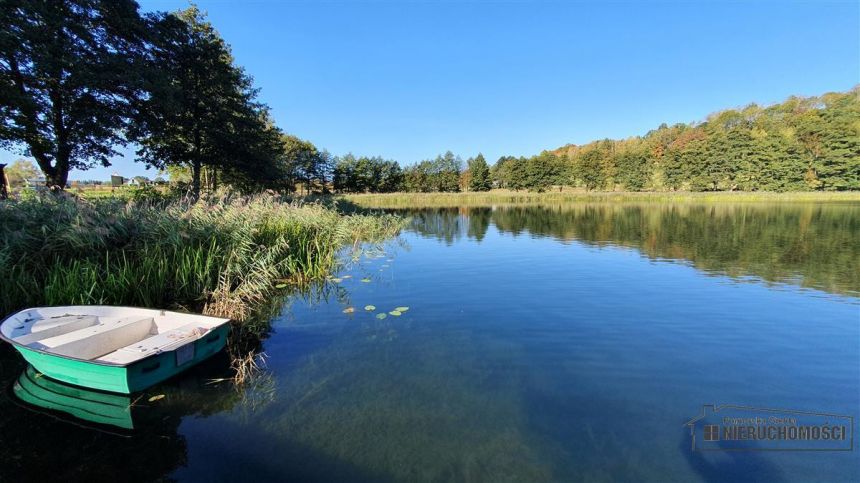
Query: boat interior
point(113, 335)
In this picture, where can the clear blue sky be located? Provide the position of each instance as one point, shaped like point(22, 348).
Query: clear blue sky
point(410, 80)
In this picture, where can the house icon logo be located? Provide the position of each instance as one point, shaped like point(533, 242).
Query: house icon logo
point(744, 428)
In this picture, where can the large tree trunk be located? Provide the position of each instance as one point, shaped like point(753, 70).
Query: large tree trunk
point(39, 146)
point(57, 177)
point(4, 193)
point(56, 174)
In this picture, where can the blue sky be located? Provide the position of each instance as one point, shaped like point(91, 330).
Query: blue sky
point(410, 80)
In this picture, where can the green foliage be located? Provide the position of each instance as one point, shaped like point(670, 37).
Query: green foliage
point(69, 80)
point(588, 168)
point(509, 172)
point(302, 162)
point(438, 175)
point(19, 171)
point(202, 109)
point(801, 144)
point(361, 175)
point(479, 172)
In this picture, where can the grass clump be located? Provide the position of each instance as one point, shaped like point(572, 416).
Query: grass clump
point(221, 256)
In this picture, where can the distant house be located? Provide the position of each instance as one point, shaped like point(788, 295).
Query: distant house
point(37, 183)
point(138, 181)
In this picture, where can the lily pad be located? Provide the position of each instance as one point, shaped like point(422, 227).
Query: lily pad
point(401, 309)
point(381, 315)
point(337, 280)
point(349, 310)
point(156, 398)
point(365, 279)
point(370, 308)
point(395, 313)
point(346, 276)
point(281, 285)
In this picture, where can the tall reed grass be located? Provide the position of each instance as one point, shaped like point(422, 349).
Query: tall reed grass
point(222, 256)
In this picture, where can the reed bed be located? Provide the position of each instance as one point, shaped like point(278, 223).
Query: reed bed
point(228, 256)
point(509, 197)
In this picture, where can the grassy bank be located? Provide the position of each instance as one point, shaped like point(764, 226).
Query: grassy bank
point(226, 257)
point(502, 197)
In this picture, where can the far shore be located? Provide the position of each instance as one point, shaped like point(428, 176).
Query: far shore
point(502, 196)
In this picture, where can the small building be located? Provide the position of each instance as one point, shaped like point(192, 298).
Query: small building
point(37, 183)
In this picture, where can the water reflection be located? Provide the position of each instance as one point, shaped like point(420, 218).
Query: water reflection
point(54, 431)
point(533, 357)
point(811, 245)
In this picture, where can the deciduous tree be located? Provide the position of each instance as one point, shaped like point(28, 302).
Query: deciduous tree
point(69, 79)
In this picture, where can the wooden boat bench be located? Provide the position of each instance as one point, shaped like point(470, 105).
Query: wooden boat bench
point(45, 328)
point(162, 342)
point(92, 342)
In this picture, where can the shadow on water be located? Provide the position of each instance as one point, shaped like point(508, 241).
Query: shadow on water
point(736, 466)
point(810, 244)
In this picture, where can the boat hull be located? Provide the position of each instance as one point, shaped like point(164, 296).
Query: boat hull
point(130, 378)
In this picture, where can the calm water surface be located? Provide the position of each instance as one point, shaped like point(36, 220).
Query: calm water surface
point(541, 344)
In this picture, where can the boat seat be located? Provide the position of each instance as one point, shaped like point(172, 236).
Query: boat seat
point(165, 341)
point(46, 328)
point(93, 342)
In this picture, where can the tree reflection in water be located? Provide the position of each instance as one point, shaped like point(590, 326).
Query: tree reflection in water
point(813, 245)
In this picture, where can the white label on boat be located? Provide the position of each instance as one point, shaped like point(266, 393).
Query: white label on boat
point(184, 354)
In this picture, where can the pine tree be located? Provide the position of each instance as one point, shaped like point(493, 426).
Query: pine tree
point(480, 172)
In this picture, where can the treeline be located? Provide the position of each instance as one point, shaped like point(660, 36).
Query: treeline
point(445, 173)
point(804, 143)
point(79, 78)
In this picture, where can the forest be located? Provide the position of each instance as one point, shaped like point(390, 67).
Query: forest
point(801, 144)
point(89, 77)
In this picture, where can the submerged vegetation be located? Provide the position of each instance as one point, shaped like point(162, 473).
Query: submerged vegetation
point(224, 256)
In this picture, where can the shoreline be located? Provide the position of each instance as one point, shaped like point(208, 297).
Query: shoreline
point(503, 197)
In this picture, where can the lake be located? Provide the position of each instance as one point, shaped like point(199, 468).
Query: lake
point(541, 343)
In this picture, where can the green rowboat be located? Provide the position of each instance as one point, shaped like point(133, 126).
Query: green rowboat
point(116, 349)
